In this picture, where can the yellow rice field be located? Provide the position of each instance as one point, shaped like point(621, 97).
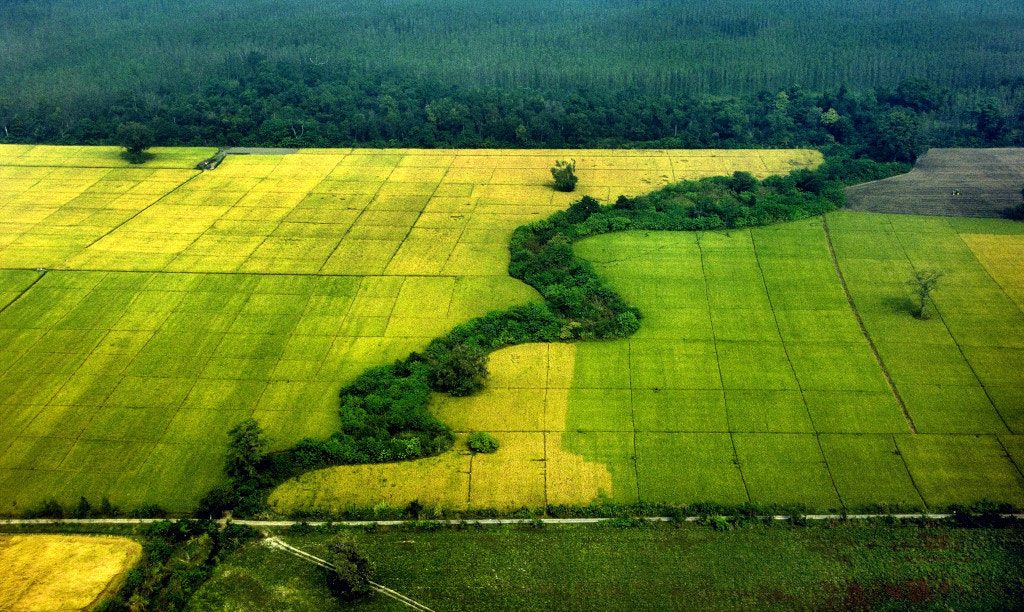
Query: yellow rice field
point(334, 211)
point(61, 572)
point(524, 406)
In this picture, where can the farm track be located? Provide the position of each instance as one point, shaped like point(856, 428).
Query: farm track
point(284, 524)
point(279, 544)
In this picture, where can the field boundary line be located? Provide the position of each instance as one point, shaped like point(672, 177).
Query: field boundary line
point(419, 215)
point(1020, 309)
point(910, 474)
point(632, 418)
point(792, 369)
point(956, 342)
point(279, 544)
point(718, 364)
point(41, 273)
point(988, 273)
point(81, 251)
point(863, 328)
point(1002, 445)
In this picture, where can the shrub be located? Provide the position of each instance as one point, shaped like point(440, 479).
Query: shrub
point(50, 508)
point(482, 442)
point(148, 511)
point(459, 370)
point(83, 509)
point(742, 181)
point(564, 173)
point(245, 450)
point(350, 579)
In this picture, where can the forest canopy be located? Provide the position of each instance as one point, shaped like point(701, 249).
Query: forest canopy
point(493, 73)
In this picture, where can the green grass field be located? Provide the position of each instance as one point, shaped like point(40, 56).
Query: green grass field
point(819, 568)
point(751, 379)
point(794, 405)
point(144, 310)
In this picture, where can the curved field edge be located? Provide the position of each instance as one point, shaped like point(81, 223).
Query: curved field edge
point(769, 393)
point(384, 411)
point(206, 350)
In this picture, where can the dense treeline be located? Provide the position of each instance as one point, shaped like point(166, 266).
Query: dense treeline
point(726, 73)
point(659, 46)
point(268, 104)
point(384, 411)
point(177, 558)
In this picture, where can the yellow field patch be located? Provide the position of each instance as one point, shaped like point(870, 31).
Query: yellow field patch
point(527, 388)
point(61, 572)
point(1001, 255)
point(346, 196)
point(441, 481)
point(511, 478)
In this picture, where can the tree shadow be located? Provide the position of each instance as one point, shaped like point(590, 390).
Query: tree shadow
point(137, 158)
point(901, 304)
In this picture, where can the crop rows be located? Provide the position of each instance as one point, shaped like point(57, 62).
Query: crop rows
point(146, 310)
point(751, 379)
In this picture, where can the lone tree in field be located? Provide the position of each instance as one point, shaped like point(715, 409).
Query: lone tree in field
point(924, 282)
point(136, 139)
point(482, 442)
point(245, 451)
point(564, 174)
point(350, 579)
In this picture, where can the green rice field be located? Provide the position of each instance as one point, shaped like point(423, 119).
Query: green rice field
point(755, 378)
point(751, 378)
point(146, 310)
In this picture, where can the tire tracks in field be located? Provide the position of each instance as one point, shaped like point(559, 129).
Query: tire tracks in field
point(863, 328)
point(278, 544)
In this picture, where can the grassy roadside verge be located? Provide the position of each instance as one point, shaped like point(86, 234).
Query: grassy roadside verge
point(627, 566)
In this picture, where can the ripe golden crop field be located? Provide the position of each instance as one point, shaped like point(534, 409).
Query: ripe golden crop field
point(61, 572)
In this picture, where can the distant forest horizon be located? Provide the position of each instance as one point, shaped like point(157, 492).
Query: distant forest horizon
point(496, 73)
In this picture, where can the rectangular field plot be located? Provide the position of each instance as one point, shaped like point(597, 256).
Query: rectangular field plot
point(102, 372)
point(786, 469)
point(961, 469)
point(353, 212)
point(869, 472)
point(688, 468)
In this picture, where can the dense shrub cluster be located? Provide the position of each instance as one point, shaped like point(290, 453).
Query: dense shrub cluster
point(384, 415)
point(482, 442)
point(564, 173)
point(177, 558)
point(84, 509)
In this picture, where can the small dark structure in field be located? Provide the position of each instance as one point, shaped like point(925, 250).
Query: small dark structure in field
point(951, 182)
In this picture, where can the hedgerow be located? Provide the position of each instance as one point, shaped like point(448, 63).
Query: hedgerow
point(384, 415)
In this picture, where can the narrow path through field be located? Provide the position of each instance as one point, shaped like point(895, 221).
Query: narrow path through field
point(863, 328)
point(284, 524)
point(279, 544)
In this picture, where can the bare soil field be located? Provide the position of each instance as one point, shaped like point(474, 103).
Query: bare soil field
point(950, 182)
